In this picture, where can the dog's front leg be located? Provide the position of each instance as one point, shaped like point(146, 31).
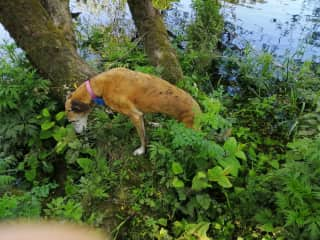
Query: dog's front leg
point(137, 119)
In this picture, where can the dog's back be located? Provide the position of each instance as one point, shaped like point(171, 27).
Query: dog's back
point(149, 94)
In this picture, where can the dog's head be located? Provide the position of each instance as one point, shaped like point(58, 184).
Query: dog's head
point(77, 113)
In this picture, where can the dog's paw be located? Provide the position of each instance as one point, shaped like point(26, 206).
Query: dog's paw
point(154, 124)
point(139, 151)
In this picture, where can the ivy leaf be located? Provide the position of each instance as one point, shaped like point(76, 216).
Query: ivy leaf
point(59, 134)
point(45, 134)
point(60, 147)
point(177, 183)
point(176, 168)
point(200, 182)
point(204, 200)
point(231, 165)
point(85, 164)
point(45, 112)
point(47, 125)
point(217, 174)
point(60, 116)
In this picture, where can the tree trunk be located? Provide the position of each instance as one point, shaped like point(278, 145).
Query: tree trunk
point(156, 42)
point(45, 44)
point(60, 14)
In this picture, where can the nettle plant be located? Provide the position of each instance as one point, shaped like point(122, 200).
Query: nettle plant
point(22, 94)
point(197, 171)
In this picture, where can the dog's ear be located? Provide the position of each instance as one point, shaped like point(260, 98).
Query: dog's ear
point(78, 106)
point(69, 95)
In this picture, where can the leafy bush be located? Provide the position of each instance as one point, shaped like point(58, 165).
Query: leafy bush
point(249, 172)
point(203, 35)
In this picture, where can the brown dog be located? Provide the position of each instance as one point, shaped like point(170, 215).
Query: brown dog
point(131, 93)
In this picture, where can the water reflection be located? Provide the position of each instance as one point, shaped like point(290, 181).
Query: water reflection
point(246, 1)
point(279, 26)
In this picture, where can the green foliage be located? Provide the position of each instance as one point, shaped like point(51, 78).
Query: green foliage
point(24, 204)
point(250, 171)
point(22, 93)
point(297, 197)
point(203, 35)
point(61, 208)
point(19, 206)
point(163, 4)
point(115, 49)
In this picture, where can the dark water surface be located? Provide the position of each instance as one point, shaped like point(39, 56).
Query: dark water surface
point(282, 27)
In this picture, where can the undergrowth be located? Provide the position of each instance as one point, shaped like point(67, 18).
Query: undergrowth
point(250, 172)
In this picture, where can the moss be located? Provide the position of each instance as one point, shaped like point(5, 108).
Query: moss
point(156, 42)
point(46, 46)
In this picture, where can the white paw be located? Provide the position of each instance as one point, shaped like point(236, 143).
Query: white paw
point(154, 124)
point(139, 151)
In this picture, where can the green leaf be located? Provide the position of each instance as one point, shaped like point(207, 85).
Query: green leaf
point(200, 182)
point(47, 125)
point(85, 163)
point(199, 230)
point(230, 165)
point(274, 163)
point(216, 174)
point(241, 155)
point(178, 228)
point(30, 174)
point(59, 133)
point(162, 222)
point(162, 4)
point(76, 144)
point(45, 134)
point(45, 112)
point(182, 196)
point(60, 116)
point(176, 168)
point(60, 147)
point(204, 200)
point(230, 146)
point(177, 183)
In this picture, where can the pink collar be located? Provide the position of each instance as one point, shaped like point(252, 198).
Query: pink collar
point(94, 98)
point(89, 89)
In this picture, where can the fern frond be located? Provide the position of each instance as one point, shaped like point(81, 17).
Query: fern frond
point(6, 180)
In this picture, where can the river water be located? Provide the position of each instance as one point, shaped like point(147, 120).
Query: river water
point(282, 27)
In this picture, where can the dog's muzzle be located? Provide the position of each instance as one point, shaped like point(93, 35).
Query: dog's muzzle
point(80, 125)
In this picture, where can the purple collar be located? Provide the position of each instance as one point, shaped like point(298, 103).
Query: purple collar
point(95, 99)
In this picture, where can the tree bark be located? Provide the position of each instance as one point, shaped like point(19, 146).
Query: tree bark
point(45, 45)
point(156, 42)
point(59, 11)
